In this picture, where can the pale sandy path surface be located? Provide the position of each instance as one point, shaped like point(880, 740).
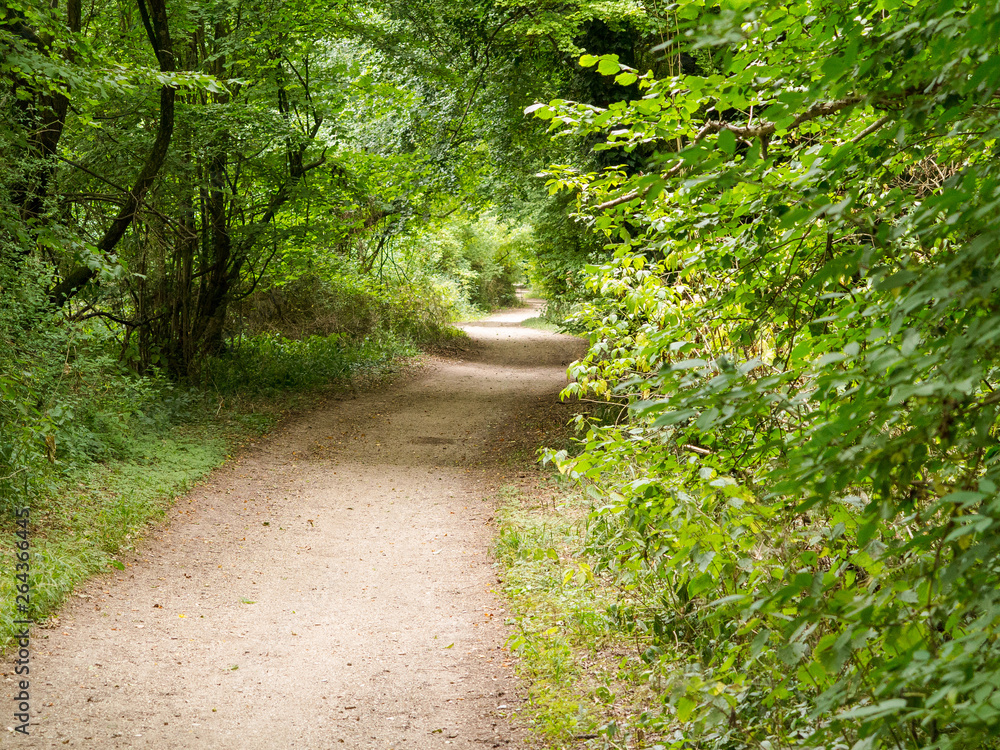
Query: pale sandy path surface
point(361, 533)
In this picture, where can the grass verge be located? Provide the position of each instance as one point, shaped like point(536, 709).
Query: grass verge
point(589, 681)
point(99, 513)
point(542, 324)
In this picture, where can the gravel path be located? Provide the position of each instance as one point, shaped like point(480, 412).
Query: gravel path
point(331, 588)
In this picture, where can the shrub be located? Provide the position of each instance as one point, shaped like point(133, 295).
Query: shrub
point(800, 315)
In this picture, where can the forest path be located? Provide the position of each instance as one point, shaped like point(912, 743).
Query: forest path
point(331, 588)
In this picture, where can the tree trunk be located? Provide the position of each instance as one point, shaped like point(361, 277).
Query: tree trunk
point(43, 116)
point(155, 20)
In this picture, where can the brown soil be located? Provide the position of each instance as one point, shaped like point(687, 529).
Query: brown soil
point(330, 588)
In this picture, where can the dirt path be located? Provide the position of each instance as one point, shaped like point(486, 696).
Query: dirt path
point(330, 589)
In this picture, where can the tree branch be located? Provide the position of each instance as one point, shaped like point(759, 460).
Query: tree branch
point(673, 171)
point(871, 128)
point(821, 109)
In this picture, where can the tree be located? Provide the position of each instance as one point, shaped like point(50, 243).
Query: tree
point(199, 209)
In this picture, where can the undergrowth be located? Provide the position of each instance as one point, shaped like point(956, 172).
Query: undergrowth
point(589, 678)
point(268, 363)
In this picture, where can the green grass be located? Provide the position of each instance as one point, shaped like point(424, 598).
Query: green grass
point(586, 675)
point(542, 324)
point(97, 514)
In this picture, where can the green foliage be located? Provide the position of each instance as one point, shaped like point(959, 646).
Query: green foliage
point(800, 316)
point(478, 259)
point(563, 249)
point(22, 423)
point(66, 400)
point(348, 305)
point(269, 364)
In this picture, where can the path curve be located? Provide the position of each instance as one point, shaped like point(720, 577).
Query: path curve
point(331, 588)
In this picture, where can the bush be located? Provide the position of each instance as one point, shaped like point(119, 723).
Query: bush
point(346, 305)
point(800, 315)
point(269, 363)
point(563, 248)
point(479, 258)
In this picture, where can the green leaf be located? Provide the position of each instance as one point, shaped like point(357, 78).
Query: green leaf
point(891, 706)
point(609, 65)
point(727, 141)
point(702, 583)
point(792, 653)
point(685, 708)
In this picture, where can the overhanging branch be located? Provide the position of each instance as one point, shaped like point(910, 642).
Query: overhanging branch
point(821, 109)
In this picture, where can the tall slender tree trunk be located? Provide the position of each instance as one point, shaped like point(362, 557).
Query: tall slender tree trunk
point(43, 115)
point(154, 18)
